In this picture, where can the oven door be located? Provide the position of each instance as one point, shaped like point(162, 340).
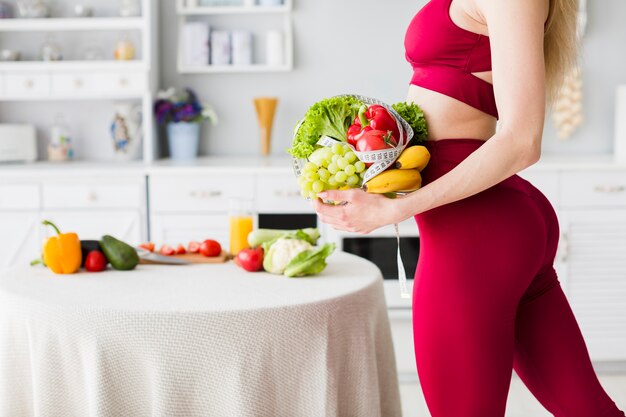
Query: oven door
point(380, 247)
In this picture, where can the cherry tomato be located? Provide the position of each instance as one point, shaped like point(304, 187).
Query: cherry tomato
point(147, 246)
point(180, 250)
point(250, 259)
point(167, 250)
point(193, 247)
point(210, 248)
point(96, 261)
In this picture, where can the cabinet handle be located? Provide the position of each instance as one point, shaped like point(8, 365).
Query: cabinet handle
point(93, 197)
point(29, 83)
point(609, 189)
point(287, 194)
point(78, 83)
point(123, 82)
point(205, 194)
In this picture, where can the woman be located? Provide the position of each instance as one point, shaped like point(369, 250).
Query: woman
point(486, 297)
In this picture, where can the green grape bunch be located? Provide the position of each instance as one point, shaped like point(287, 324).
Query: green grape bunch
point(331, 168)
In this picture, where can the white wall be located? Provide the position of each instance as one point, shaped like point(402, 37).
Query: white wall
point(357, 46)
point(341, 46)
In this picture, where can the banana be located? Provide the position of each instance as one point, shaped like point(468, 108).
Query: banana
point(413, 157)
point(394, 180)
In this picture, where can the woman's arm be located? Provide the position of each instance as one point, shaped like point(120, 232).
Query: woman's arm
point(516, 40)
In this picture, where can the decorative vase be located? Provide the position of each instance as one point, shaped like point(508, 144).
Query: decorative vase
point(126, 131)
point(183, 139)
point(265, 110)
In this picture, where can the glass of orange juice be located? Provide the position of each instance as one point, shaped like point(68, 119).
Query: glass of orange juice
point(241, 221)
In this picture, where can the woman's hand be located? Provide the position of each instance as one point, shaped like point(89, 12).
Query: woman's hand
point(358, 211)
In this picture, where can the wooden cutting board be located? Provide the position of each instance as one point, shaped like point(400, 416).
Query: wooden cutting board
point(196, 258)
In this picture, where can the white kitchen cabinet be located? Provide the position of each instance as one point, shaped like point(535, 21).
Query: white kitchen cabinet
point(126, 225)
point(593, 189)
point(280, 194)
point(594, 264)
point(20, 240)
point(198, 193)
point(175, 228)
point(123, 192)
point(34, 84)
point(402, 335)
point(19, 196)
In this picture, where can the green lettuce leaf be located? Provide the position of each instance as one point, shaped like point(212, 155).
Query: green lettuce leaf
point(309, 262)
point(414, 116)
point(329, 117)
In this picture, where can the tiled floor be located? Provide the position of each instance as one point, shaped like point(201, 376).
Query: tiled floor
point(521, 402)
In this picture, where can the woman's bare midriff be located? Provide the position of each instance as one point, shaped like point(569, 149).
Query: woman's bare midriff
point(451, 118)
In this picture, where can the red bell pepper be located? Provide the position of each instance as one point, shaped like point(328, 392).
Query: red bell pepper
point(374, 117)
point(374, 140)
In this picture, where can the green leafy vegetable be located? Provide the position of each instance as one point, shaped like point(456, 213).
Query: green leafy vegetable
point(309, 262)
point(329, 117)
point(266, 237)
point(414, 116)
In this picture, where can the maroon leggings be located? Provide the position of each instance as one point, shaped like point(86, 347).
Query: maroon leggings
point(487, 300)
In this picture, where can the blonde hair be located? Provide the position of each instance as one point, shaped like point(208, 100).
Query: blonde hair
point(560, 44)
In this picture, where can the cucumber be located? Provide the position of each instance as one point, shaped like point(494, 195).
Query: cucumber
point(122, 256)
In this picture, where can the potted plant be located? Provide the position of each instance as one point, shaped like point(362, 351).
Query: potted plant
point(182, 114)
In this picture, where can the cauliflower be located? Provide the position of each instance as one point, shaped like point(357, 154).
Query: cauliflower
point(282, 252)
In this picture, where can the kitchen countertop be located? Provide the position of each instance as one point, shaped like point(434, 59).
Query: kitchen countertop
point(251, 165)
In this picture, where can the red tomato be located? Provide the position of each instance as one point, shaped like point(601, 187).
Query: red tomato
point(180, 250)
point(250, 259)
point(167, 250)
point(210, 248)
point(375, 140)
point(147, 246)
point(193, 247)
point(95, 261)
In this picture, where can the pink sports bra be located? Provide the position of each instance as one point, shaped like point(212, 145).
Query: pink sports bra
point(444, 56)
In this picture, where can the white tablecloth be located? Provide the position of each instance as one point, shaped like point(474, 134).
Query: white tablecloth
point(206, 341)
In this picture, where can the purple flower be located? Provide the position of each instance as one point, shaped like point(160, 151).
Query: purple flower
point(177, 109)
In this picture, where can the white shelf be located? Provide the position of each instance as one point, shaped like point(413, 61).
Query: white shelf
point(75, 97)
point(216, 69)
point(134, 65)
point(208, 10)
point(71, 24)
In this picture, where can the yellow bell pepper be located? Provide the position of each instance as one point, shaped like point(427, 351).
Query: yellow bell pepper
point(62, 253)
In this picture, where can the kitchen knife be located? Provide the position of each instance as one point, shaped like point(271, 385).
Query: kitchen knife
point(155, 258)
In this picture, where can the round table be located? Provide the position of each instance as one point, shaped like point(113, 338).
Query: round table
point(201, 340)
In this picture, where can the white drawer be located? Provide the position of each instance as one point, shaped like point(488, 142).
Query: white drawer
point(27, 84)
point(593, 189)
point(19, 196)
point(121, 82)
point(546, 182)
point(281, 194)
point(73, 83)
point(94, 195)
point(185, 193)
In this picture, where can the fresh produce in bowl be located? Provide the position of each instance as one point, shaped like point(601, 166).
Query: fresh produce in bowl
point(290, 252)
point(347, 141)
